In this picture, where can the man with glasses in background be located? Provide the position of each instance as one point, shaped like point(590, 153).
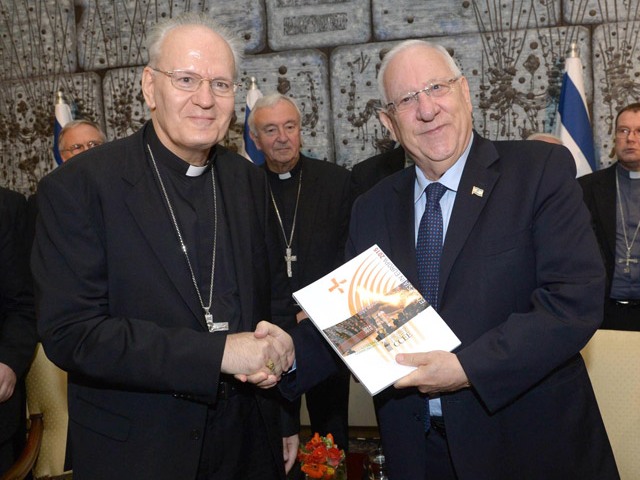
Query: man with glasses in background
point(78, 136)
point(613, 197)
point(496, 237)
point(155, 262)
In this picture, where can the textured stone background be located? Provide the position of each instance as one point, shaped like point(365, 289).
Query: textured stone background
point(323, 53)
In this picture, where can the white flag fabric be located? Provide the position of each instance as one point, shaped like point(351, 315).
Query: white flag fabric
point(62, 117)
point(251, 151)
point(574, 125)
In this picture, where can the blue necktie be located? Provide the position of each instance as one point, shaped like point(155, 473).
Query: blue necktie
point(429, 245)
point(428, 250)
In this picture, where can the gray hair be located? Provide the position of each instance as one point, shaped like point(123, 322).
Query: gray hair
point(82, 121)
point(545, 137)
point(158, 32)
point(269, 101)
point(455, 69)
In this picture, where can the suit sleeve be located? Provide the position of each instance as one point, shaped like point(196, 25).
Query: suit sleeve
point(17, 315)
point(561, 304)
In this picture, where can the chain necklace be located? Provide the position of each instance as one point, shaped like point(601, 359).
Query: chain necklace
point(208, 317)
point(628, 245)
point(289, 257)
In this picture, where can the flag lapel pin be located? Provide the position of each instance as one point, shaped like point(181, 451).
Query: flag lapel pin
point(477, 191)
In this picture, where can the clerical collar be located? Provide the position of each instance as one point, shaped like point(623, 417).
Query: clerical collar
point(172, 161)
point(293, 173)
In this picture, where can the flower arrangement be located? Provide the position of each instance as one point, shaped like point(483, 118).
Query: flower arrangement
point(321, 458)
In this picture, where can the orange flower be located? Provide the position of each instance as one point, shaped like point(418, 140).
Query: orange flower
point(314, 470)
point(320, 457)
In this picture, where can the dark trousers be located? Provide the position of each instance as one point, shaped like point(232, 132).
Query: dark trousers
point(439, 465)
point(328, 406)
point(235, 445)
point(618, 316)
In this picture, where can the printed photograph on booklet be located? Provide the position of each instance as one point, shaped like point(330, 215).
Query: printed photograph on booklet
point(369, 312)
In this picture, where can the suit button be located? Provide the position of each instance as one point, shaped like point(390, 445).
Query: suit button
point(195, 434)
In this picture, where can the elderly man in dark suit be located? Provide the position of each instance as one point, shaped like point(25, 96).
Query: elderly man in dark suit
point(512, 267)
point(17, 323)
point(156, 258)
point(613, 198)
point(311, 200)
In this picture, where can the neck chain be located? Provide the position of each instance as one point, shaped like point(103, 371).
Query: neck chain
point(208, 317)
point(628, 245)
point(289, 257)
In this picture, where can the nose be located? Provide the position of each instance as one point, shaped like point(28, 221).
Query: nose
point(204, 96)
point(427, 108)
point(282, 135)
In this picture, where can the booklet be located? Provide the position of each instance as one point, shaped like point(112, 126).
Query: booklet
point(369, 312)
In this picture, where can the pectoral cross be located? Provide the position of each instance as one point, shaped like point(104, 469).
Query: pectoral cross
point(627, 260)
point(214, 326)
point(289, 258)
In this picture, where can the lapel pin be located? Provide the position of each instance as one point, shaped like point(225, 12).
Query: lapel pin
point(477, 191)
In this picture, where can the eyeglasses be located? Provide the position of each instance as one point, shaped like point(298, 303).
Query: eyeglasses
point(410, 100)
point(190, 82)
point(624, 132)
point(76, 148)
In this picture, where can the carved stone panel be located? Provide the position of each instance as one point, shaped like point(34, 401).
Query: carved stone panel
point(36, 38)
point(26, 124)
point(599, 11)
point(317, 23)
point(111, 33)
point(514, 79)
point(302, 75)
point(616, 80)
point(393, 19)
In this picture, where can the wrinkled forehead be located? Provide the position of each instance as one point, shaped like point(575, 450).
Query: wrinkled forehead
point(188, 45)
point(415, 68)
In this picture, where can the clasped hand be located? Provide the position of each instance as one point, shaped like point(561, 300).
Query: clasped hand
point(259, 357)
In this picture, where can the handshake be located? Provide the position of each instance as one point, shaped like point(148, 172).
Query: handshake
point(259, 357)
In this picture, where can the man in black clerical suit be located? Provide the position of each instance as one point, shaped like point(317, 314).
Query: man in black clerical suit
point(613, 197)
point(311, 200)
point(17, 323)
point(156, 257)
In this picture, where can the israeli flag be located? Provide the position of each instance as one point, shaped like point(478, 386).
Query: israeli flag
point(62, 117)
point(251, 151)
point(574, 126)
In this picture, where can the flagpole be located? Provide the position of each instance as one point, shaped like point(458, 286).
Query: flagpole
point(250, 148)
point(574, 125)
point(62, 116)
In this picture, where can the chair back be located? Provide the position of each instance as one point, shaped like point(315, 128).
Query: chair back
point(613, 361)
point(47, 394)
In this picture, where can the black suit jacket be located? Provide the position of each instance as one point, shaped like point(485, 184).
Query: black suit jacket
point(599, 189)
point(521, 286)
point(17, 316)
point(367, 173)
point(323, 218)
point(119, 312)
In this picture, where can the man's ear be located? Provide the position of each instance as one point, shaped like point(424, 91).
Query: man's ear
point(255, 139)
point(388, 123)
point(148, 87)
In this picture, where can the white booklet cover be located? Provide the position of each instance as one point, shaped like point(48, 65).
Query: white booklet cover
point(369, 312)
